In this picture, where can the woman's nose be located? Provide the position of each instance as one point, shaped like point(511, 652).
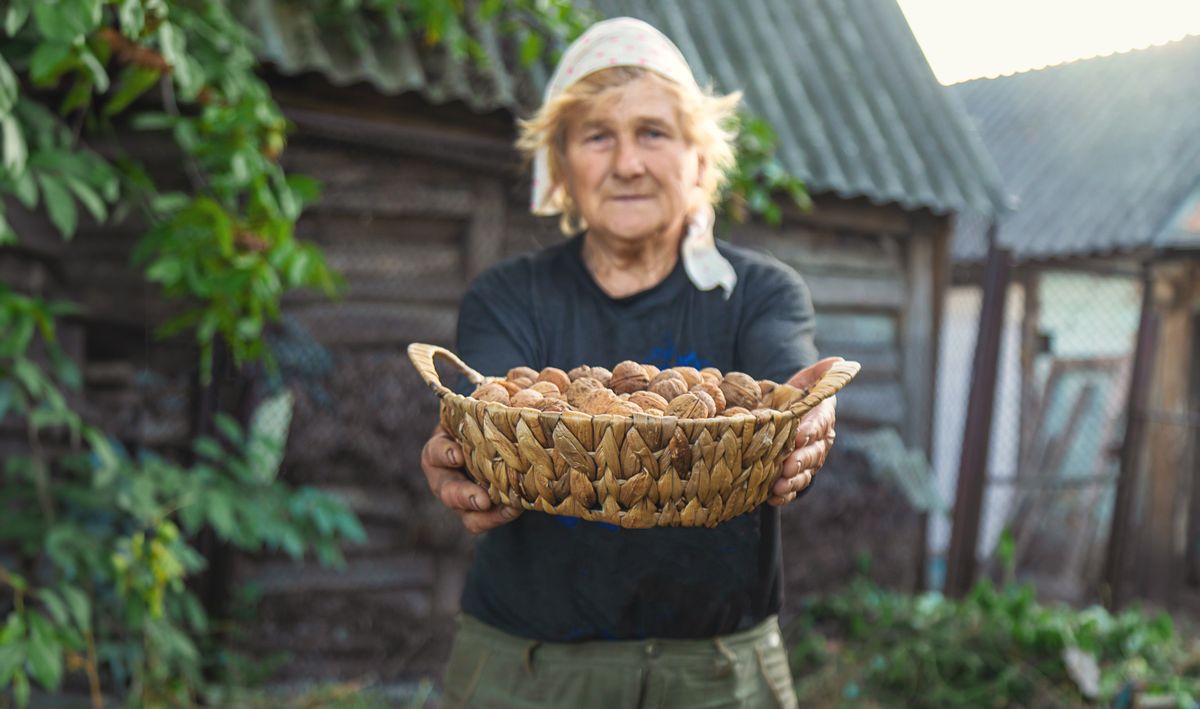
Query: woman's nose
point(629, 161)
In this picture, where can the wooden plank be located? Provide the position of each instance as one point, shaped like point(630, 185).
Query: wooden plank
point(857, 214)
point(485, 235)
point(863, 331)
point(875, 403)
point(378, 573)
point(378, 324)
point(918, 345)
point(822, 250)
point(887, 292)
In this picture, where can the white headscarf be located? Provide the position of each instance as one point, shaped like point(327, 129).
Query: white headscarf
point(625, 41)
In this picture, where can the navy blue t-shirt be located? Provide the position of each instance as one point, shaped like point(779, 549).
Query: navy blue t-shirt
point(555, 578)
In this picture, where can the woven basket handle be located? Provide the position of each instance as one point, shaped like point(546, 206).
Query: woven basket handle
point(831, 382)
point(422, 358)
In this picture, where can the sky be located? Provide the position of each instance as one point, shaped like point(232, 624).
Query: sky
point(967, 39)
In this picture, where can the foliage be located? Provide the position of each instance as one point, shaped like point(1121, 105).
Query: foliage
point(105, 535)
point(758, 176)
point(996, 647)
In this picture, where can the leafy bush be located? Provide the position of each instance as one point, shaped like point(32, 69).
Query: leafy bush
point(996, 647)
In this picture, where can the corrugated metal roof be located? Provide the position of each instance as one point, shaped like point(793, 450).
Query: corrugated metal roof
point(1100, 153)
point(844, 84)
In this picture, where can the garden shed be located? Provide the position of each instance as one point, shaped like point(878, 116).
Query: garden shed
point(1095, 426)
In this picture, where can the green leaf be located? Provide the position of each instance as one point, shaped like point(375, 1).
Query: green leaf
point(531, 48)
point(95, 70)
point(88, 197)
point(8, 87)
point(15, 152)
point(153, 121)
point(25, 188)
point(14, 20)
point(45, 653)
point(209, 448)
point(229, 428)
point(66, 20)
point(11, 657)
point(133, 82)
point(21, 688)
point(220, 514)
point(132, 17)
point(49, 61)
point(80, 605)
point(59, 204)
point(14, 627)
point(54, 605)
point(78, 96)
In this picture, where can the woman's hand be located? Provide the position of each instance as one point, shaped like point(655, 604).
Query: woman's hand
point(442, 461)
point(814, 438)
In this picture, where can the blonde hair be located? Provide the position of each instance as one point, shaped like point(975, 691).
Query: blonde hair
point(707, 120)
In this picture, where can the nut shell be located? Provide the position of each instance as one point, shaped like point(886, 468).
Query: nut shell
point(581, 371)
point(555, 376)
point(714, 392)
point(596, 401)
point(649, 400)
point(784, 396)
point(601, 375)
point(712, 374)
point(491, 391)
point(735, 411)
point(669, 384)
point(551, 404)
point(765, 387)
point(688, 405)
point(511, 387)
point(546, 389)
point(525, 398)
point(628, 377)
point(651, 371)
point(624, 408)
point(521, 373)
point(690, 375)
point(523, 382)
point(741, 390)
point(579, 387)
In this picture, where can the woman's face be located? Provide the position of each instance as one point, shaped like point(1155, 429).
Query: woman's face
point(629, 169)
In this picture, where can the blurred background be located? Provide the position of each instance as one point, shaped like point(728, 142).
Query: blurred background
point(995, 205)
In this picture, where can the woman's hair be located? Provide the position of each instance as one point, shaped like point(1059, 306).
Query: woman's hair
point(707, 121)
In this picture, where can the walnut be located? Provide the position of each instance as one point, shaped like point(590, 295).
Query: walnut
point(511, 387)
point(651, 371)
point(649, 400)
point(579, 387)
point(581, 371)
point(735, 411)
point(525, 398)
point(596, 401)
point(551, 404)
point(714, 392)
point(555, 376)
point(627, 377)
point(523, 382)
point(491, 392)
point(712, 374)
point(784, 396)
point(690, 375)
point(765, 387)
point(655, 412)
point(546, 389)
point(689, 405)
point(624, 408)
point(601, 375)
point(669, 384)
point(741, 390)
point(521, 373)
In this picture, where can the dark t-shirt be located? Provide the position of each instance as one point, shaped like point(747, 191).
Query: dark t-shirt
point(556, 578)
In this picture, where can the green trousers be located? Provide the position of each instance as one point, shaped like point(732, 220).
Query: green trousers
point(490, 668)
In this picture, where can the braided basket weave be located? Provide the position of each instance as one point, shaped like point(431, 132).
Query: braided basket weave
point(634, 471)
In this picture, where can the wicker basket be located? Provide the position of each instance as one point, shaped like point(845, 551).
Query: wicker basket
point(634, 471)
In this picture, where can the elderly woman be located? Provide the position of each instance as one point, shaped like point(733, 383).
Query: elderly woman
point(559, 612)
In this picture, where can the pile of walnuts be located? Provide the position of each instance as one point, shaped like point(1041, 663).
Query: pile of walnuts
point(633, 388)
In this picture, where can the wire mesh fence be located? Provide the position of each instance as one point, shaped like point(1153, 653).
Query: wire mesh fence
point(1066, 350)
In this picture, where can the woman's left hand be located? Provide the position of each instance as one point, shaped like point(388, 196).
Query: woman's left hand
point(814, 438)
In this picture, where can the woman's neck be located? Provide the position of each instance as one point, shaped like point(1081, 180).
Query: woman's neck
point(622, 268)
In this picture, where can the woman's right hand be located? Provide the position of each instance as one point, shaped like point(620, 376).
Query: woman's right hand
point(442, 461)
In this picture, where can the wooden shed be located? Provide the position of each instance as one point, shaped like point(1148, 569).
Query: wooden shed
point(423, 190)
point(1097, 457)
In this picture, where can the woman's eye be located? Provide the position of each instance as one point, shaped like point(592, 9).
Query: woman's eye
point(654, 133)
point(594, 138)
